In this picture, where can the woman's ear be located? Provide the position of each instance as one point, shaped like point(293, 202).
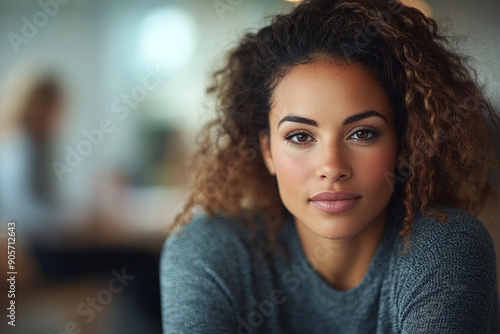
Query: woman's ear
point(265, 148)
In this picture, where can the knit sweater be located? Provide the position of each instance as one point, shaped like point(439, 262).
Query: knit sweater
point(214, 281)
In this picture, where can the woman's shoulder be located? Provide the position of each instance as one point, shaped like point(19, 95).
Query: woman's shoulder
point(206, 236)
point(206, 269)
point(224, 246)
point(447, 276)
point(209, 255)
point(462, 242)
point(460, 229)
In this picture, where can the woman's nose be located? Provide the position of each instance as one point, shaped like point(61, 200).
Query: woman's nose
point(333, 164)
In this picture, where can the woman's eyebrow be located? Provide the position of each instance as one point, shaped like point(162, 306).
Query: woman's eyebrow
point(363, 115)
point(297, 119)
point(348, 120)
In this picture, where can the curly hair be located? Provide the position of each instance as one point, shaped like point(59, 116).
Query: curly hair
point(446, 151)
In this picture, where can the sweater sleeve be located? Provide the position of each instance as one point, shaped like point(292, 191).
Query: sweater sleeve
point(199, 279)
point(447, 281)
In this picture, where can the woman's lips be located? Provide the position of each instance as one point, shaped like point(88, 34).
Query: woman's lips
point(334, 202)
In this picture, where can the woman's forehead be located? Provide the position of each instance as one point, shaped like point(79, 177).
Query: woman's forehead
point(343, 89)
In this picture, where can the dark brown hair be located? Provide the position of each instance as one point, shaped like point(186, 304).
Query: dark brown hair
point(446, 149)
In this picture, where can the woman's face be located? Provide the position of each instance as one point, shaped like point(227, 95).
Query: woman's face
point(332, 147)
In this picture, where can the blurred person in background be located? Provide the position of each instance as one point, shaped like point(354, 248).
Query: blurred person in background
point(59, 241)
point(30, 115)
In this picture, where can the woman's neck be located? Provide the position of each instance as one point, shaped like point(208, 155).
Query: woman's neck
point(343, 263)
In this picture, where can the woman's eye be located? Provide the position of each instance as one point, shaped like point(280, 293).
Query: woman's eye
point(298, 138)
point(365, 134)
point(301, 138)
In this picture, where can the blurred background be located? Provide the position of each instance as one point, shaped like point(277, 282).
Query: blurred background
point(99, 103)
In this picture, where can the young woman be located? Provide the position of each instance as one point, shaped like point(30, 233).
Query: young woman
point(333, 192)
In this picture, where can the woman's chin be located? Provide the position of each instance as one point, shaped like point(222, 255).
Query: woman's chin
point(332, 229)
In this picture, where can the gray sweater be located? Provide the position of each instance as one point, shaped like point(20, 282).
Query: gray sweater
point(214, 280)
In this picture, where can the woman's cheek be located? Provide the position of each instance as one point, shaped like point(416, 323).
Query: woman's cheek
point(291, 169)
point(380, 168)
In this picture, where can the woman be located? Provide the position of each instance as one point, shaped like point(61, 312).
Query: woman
point(334, 184)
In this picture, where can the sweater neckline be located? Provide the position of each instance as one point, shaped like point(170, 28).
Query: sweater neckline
point(377, 267)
